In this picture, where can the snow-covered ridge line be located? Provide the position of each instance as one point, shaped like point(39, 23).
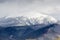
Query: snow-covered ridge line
point(23, 20)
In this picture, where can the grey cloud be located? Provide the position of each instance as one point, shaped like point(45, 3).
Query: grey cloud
point(2, 1)
point(34, 2)
point(15, 7)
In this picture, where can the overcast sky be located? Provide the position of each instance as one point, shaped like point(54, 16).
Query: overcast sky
point(30, 7)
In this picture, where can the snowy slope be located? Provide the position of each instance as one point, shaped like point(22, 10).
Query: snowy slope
point(24, 20)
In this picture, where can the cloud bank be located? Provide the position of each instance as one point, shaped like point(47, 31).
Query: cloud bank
point(26, 7)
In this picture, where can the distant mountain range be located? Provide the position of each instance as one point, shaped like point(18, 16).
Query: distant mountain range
point(21, 28)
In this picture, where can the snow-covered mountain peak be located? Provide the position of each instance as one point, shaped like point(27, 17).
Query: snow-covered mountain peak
point(27, 20)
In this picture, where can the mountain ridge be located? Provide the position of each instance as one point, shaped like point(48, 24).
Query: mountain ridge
point(22, 20)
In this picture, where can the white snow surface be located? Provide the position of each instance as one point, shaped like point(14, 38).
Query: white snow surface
point(27, 20)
